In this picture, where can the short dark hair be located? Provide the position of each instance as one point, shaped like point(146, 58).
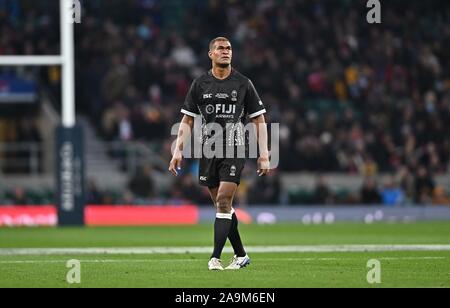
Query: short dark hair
point(217, 39)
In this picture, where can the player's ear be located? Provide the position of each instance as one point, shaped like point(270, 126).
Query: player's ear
point(210, 54)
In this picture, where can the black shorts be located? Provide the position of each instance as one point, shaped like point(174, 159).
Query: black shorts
point(216, 170)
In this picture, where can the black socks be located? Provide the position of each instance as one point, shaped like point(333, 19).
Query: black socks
point(222, 228)
point(226, 225)
point(235, 238)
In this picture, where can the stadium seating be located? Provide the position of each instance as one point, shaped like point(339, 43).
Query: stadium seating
point(373, 101)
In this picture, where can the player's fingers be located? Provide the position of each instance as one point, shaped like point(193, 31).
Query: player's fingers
point(263, 172)
point(172, 169)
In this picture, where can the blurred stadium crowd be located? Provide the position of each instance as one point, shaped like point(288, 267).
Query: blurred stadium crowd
point(350, 97)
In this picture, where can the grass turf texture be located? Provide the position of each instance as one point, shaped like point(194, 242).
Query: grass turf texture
point(268, 270)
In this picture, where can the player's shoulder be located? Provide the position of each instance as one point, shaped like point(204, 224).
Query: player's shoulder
point(207, 77)
point(241, 77)
point(201, 78)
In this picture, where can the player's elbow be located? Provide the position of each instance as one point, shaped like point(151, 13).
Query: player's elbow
point(188, 120)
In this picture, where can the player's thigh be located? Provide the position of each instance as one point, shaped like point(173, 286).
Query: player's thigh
point(226, 192)
point(213, 191)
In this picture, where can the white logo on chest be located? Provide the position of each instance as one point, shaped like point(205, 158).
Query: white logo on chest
point(225, 109)
point(222, 95)
point(234, 96)
point(210, 109)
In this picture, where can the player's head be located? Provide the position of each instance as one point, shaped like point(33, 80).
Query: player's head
point(220, 52)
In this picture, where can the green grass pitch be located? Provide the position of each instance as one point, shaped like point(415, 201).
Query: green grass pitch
point(268, 269)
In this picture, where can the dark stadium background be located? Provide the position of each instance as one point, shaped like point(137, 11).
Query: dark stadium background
point(360, 198)
point(364, 109)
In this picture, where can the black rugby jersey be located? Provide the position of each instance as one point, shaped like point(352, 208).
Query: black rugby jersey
point(226, 102)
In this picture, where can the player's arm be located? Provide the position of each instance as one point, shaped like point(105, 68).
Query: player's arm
point(261, 135)
point(189, 110)
point(184, 133)
point(256, 110)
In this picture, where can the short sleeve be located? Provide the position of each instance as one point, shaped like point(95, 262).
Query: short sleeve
point(190, 104)
point(253, 103)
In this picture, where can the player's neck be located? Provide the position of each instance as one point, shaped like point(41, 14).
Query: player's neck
point(220, 72)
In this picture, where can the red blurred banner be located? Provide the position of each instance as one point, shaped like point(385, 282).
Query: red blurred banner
point(103, 215)
point(12, 216)
point(141, 216)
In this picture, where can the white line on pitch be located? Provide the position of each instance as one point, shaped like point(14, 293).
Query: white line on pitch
point(201, 260)
point(250, 249)
point(99, 261)
point(355, 259)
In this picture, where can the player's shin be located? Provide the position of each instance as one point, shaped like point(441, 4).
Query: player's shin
point(234, 236)
point(222, 227)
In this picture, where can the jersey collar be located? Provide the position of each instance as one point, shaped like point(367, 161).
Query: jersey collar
point(221, 80)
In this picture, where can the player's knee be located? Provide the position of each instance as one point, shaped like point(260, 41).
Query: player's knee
point(223, 204)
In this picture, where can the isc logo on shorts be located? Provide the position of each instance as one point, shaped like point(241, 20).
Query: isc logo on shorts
point(203, 178)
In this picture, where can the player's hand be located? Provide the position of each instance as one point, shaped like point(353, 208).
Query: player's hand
point(175, 163)
point(263, 165)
